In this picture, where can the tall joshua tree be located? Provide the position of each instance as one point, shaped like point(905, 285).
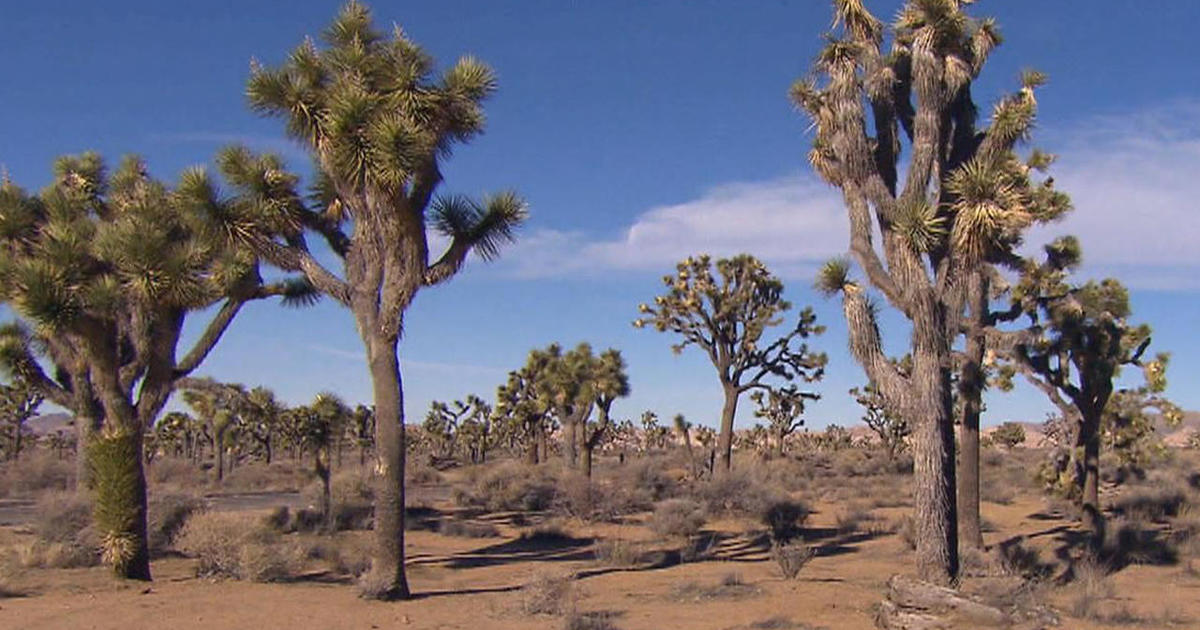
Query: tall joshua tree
point(609, 381)
point(102, 272)
point(727, 318)
point(958, 204)
point(377, 123)
point(782, 408)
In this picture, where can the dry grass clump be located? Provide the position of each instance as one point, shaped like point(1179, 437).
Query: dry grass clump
point(1185, 531)
point(278, 476)
point(548, 594)
point(237, 547)
point(348, 555)
point(998, 493)
point(853, 518)
point(618, 553)
point(730, 586)
point(589, 621)
point(10, 571)
point(906, 528)
point(593, 500)
point(791, 557)
point(678, 518)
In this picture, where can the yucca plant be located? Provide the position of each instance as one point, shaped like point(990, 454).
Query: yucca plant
point(957, 206)
point(102, 271)
point(377, 122)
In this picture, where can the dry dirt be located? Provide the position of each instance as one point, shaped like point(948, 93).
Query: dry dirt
point(475, 583)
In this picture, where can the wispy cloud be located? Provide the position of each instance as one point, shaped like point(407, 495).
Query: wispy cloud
point(1133, 179)
point(359, 356)
point(794, 222)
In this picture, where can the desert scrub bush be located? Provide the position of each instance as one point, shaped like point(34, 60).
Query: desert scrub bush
point(467, 529)
point(615, 552)
point(645, 482)
point(678, 518)
point(166, 515)
point(236, 546)
point(593, 500)
point(548, 594)
point(784, 519)
point(1151, 503)
point(351, 503)
point(738, 492)
point(421, 473)
point(65, 535)
point(791, 557)
point(511, 486)
point(37, 472)
point(1185, 530)
point(173, 471)
point(852, 518)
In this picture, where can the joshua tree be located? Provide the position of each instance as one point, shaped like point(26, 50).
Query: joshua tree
point(362, 425)
point(781, 407)
point(441, 425)
point(523, 410)
point(654, 435)
point(607, 381)
point(18, 403)
point(102, 272)
point(957, 205)
point(219, 407)
point(1078, 340)
point(261, 414)
point(377, 124)
point(475, 431)
point(727, 318)
point(891, 428)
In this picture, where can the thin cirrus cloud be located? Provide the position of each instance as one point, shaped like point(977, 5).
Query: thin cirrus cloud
point(1132, 179)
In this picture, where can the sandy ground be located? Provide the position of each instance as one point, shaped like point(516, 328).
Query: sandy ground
point(475, 584)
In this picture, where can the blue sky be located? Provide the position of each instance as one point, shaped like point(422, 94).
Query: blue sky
point(640, 132)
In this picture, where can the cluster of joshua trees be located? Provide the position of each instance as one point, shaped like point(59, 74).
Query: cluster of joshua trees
point(103, 268)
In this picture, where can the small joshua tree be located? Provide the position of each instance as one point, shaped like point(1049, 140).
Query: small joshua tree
point(782, 409)
point(726, 315)
point(891, 428)
point(18, 403)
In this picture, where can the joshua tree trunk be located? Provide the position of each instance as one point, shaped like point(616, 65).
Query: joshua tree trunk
point(1088, 442)
point(570, 442)
point(321, 457)
point(971, 383)
point(725, 440)
point(388, 564)
point(119, 482)
point(531, 449)
point(933, 472)
point(543, 444)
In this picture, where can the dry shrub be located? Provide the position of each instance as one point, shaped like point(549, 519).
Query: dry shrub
point(784, 519)
point(511, 486)
point(791, 558)
point(738, 492)
point(548, 594)
point(1151, 503)
point(1185, 530)
point(468, 529)
point(998, 493)
point(618, 553)
point(852, 518)
point(419, 472)
point(66, 538)
point(36, 472)
point(678, 518)
point(592, 500)
point(236, 546)
point(1130, 540)
point(166, 516)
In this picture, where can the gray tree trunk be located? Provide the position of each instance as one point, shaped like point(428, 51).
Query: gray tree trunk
point(387, 568)
point(725, 440)
point(971, 383)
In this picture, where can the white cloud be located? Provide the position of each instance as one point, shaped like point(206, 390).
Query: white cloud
point(1134, 179)
point(1135, 184)
point(793, 222)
